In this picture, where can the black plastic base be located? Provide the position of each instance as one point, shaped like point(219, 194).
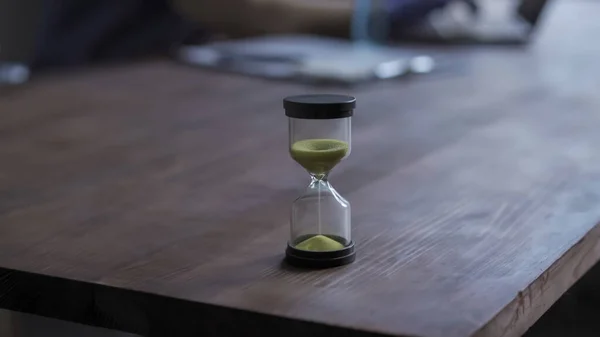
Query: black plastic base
point(308, 259)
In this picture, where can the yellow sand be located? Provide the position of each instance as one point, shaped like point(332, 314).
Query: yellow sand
point(320, 243)
point(319, 156)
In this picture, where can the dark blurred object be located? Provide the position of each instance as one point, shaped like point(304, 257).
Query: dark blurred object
point(408, 13)
point(338, 18)
point(79, 32)
point(531, 10)
point(19, 21)
point(480, 22)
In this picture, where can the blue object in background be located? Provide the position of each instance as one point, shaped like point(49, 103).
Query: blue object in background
point(374, 20)
point(360, 21)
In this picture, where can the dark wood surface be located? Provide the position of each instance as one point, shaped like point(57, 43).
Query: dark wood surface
point(155, 198)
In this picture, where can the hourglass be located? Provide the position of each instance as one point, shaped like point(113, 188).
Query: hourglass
point(319, 139)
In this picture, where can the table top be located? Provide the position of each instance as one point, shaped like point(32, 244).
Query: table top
point(166, 190)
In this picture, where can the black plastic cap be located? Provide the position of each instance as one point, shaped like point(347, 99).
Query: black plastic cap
point(321, 106)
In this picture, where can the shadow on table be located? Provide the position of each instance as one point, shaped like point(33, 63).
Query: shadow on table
point(16, 324)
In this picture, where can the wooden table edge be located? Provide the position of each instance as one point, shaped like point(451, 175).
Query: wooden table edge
point(531, 303)
point(177, 314)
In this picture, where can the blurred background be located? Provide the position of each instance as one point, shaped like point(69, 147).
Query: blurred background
point(344, 41)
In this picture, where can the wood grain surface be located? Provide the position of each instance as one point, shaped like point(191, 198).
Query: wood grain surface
point(154, 198)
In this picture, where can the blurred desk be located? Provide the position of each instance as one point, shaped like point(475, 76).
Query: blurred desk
point(154, 198)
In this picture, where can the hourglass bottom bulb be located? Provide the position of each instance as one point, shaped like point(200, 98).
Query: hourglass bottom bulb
point(320, 251)
point(319, 243)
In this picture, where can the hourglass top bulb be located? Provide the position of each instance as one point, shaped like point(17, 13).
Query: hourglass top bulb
point(319, 156)
point(319, 130)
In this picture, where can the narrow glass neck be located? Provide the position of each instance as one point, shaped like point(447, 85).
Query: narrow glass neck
point(319, 178)
point(321, 184)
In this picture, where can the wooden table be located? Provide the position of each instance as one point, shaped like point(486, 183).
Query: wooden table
point(154, 198)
